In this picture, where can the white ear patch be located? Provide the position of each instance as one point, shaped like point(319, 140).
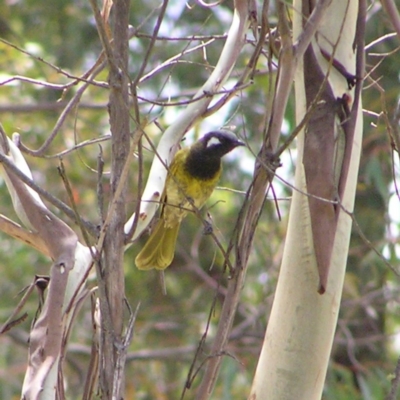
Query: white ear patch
point(213, 141)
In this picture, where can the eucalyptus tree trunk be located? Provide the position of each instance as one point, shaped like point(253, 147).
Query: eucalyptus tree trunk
point(297, 345)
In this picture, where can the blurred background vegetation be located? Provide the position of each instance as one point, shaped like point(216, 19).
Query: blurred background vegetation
point(44, 41)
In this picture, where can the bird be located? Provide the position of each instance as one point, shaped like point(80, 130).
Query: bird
point(192, 177)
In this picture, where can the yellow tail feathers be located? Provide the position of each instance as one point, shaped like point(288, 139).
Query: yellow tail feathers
point(159, 250)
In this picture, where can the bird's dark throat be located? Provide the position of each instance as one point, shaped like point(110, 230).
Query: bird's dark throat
point(202, 165)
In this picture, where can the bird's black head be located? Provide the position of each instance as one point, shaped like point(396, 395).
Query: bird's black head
point(219, 143)
point(204, 157)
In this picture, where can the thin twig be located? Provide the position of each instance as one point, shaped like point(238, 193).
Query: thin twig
point(122, 350)
point(7, 325)
point(393, 14)
point(46, 195)
point(78, 217)
point(395, 383)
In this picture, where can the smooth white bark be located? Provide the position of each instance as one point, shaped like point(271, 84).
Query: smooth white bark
point(297, 345)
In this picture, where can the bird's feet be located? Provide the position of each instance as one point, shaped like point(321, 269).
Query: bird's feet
point(208, 229)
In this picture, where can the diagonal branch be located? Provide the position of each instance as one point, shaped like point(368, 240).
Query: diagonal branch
point(168, 143)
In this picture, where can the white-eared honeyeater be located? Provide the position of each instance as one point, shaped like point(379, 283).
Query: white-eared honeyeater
point(192, 176)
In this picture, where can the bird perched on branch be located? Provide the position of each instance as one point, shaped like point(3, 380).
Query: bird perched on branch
point(192, 176)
